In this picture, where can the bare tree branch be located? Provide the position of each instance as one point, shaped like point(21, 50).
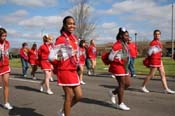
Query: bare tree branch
point(81, 13)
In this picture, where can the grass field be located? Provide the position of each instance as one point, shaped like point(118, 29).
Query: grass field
point(169, 65)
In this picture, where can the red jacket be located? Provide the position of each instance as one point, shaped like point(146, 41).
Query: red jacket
point(33, 56)
point(132, 50)
point(155, 53)
point(68, 47)
point(4, 55)
point(82, 55)
point(119, 57)
point(92, 52)
point(43, 51)
point(24, 53)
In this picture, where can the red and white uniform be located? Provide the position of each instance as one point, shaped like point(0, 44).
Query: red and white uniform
point(132, 50)
point(82, 56)
point(65, 54)
point(92, 52)
point(120, 59)
point(33, 56)
point(24, 53)
point(43, 53)
point(4, 57)
point(155, 53)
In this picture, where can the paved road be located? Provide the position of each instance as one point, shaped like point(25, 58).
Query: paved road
point(28, 101)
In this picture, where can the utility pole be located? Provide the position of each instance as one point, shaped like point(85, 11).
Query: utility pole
point(172, 32)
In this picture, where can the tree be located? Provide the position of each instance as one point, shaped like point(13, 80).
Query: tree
point(85, 25)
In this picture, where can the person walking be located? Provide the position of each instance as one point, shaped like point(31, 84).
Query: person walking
point(155, 63)
point(33, 60)
point(82, 56)
point(65, 59)
point(4, 66)
point(24, 58)
point(46, 66)
point(133, 54)
point(92, 55)
point(119, 57)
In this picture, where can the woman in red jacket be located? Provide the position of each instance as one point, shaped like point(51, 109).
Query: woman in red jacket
point(92, 54)
point(155, 59)
point(119, 57)
point(65, 59)
point(33, 59)
point(4, 66)
point(43, 53)
point(82, 55)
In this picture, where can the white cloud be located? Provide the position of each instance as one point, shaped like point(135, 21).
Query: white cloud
point(3, 1)
point(41, 21)
point(15, 16)
point(35, 3)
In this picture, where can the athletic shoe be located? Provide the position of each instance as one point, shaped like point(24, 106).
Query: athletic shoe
point(8, 106)
point(144, 89)
point(49, 92)
point(112, 97)
point(41, 89)
point(122, 106)
point(0, 87)
point(113, 76)
point(34, 78)
point(51, 79)
point(89, 72)
point(60, 113)
point(25, 76)
point(169, 91)
point(82, 83)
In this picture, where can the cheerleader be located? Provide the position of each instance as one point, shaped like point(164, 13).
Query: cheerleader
point(155, 59)
point(43, 53)
point(65, 58)
point(82, 57)
point(24, 58)
point(92, 54)
point(4, 66)
point(33, 60)
point(119, 57)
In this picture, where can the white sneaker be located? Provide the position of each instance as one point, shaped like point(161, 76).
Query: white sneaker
point(34, 78)
point(112, 97)
point(113, 76)
point(25, 76)
point(122, 106)
point(60, 113)
point(41, 89)
point(0, 87)
point(144, 89)
point(49, 92)
point(82, 83)
point(169, 91)
point(51, 79)
point(8, 106)
point(89, 72)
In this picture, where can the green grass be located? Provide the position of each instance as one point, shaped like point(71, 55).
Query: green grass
point(169, 66)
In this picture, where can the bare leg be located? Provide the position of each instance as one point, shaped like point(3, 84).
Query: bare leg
point(124, 83)
point(81, 72)
point(151, 74)
point(5, 78)
point(70, 99)
point(163, 77)
point(34, 69)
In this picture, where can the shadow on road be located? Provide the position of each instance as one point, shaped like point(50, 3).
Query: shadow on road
point(21, 111)
point(97, 102)
point(27, 88)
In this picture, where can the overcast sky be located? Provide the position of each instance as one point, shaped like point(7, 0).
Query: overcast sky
point(25, 20)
